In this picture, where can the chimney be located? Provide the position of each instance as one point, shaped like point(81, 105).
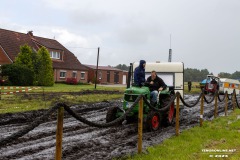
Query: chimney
point(30, 33)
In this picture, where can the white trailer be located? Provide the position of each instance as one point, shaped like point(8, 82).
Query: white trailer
point(228, 85)
point(172, 73)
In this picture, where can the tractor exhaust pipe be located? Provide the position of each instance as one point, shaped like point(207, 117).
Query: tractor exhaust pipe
point(129, 75)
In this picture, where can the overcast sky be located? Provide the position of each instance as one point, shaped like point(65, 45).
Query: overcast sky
point(204, 33)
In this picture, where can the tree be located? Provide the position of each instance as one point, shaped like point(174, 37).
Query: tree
point(236, 75)
point(195, 75)
point(45, 72)
point(25, 56)
point(122, 67)
point(18, 75)
point(29, 58)
point(224, 75)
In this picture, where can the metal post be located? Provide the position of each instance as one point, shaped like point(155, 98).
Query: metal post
point(140, 125)
point(97, 68)
point(177, 115)
point(216, 107)
point(201, 111)
point(59, 133)
point(226, 103)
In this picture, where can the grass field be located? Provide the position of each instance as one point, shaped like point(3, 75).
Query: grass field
point(16, 103)
point(217, 139)
point(19, 103)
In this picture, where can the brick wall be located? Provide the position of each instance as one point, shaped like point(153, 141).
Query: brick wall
point(107, 76)
point(69, 74)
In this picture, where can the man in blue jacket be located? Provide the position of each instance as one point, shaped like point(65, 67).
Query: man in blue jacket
point(139, 74)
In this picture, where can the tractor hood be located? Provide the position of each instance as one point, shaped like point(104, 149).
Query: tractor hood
point(137, 90)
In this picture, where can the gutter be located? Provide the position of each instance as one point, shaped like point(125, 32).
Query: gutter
point(6, 53)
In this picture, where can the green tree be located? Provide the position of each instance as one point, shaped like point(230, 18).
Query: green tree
point(236, 75)
point(195, 75)
point(18, 75)
point(224, 75)
point(25, 56)
point(122, 67)
point(29, 58)
point(45, 72)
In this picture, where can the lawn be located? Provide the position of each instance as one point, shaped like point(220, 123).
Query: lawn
point(19, 102)
point(48, 96)
point(217, 139)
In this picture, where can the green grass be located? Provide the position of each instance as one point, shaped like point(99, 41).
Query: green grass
point(17, 103)
point(194, 90)
point(223, 133)
point(58, 87)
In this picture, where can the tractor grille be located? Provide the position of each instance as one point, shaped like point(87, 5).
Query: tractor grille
point(130, 98)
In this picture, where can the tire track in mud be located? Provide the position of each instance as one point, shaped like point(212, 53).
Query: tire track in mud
point(85, 142)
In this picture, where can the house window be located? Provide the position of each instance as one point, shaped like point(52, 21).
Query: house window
point(74, 74)
point(62, 74)
point(100, 75)
point(55, 54)
point(82, 75)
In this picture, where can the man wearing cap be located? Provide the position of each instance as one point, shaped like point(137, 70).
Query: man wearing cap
point(156, 84)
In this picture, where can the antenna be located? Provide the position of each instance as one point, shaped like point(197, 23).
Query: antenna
point(170, 50)
point(170, 40)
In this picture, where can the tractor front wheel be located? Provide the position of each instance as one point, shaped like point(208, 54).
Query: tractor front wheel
point(153, 121)
point(111, 114)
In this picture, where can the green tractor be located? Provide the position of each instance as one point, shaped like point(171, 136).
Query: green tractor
point(152, 119)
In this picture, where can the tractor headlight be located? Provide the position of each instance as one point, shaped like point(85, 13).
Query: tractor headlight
point(129, 104)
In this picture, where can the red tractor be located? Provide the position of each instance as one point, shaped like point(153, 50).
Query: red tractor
point(212, 84)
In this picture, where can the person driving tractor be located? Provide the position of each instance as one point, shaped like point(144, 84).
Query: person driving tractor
point(156, 84)
point(139, 74)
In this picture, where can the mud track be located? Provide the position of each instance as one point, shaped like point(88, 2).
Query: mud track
point(85, 142)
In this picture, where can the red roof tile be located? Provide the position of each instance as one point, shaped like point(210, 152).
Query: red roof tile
point(11, 42)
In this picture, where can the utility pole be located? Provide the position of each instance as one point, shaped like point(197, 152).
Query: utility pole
point(97, 68)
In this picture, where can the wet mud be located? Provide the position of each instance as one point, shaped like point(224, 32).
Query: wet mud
point(81, 141)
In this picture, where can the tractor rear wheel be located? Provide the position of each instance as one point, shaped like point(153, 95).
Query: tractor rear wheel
point(111, 114)
point(153, 121)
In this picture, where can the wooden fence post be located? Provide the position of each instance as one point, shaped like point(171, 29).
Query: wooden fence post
point(140, 125)
point(216, 106)
point(233, 99)
point(201, 111)
point(59, 133)
point(226, 103)
point(177, 115)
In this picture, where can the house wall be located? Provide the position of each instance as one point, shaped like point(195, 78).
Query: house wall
point(3, 58)
point(69, 74)
point(103, 79)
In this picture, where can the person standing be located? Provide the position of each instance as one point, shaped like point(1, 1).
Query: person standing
point(189, 86)
point(156, 84)
point(139, 74)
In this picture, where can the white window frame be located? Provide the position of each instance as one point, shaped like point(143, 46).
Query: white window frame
point(83, 75)
point(75, 74)
point(55, 54)
point(64, 74)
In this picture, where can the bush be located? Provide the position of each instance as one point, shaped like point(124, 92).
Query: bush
point(71, 81)
point(19, 75)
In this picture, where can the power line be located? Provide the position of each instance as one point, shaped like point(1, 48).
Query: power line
point(82, 47)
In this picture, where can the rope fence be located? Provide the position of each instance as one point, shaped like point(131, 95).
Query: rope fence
point(141, 98)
